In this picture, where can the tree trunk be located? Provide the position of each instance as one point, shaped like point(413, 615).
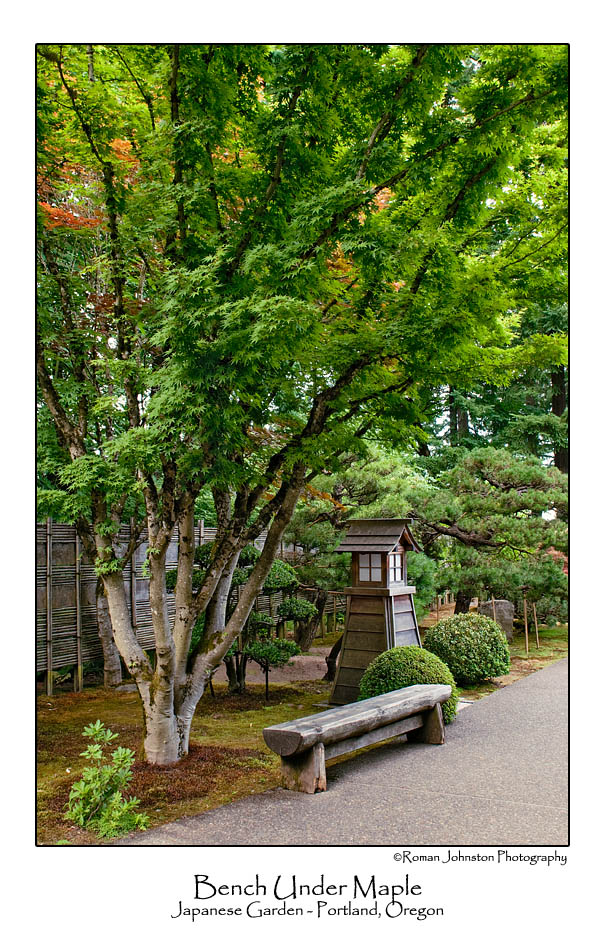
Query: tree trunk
point(561, 456)
point(168, 704)
point(91, 62)
point(331, 661)
point(452, 417)
point(131, 652)
point(232, 674)
point(215, 647)
point(462, 603)
point(112, 667)
point(305, 631)
point(458, 418)
point(462, 424)
point(166, 737)
point(243, 659)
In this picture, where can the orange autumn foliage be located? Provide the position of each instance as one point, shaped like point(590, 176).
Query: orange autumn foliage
point(122, 149)
point(310, 494)
point(64, 218)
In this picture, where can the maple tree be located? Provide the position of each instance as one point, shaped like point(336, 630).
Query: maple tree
point(251, 258)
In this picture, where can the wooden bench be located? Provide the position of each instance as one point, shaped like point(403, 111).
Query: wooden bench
point(306, 744)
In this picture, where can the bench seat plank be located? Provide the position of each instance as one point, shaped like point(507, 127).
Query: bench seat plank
point(367, 715)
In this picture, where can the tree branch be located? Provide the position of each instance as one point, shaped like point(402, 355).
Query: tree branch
point(385, 123)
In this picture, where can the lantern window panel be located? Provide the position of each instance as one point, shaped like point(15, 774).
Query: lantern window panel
point(376, 573)
point(395, 568)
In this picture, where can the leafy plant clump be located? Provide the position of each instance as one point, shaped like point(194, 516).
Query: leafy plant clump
point(295, 608)
point(272, 651)
point(408, 666)
point(96, 801)
point(473, 647)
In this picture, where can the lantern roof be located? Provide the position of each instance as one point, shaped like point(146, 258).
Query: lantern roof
point(380, 535)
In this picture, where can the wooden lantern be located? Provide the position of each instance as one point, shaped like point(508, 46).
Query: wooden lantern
point(380, 610)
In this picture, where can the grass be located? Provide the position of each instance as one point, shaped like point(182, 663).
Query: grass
point(228, 758)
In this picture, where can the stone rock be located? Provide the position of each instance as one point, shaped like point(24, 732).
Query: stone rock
point(504, 614)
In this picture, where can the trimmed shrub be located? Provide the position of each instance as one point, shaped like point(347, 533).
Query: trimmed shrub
point(272, 651)
point(473, 647)
point(408, 666)
point(296, 608)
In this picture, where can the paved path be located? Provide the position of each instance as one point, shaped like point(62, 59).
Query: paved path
point(500, 779)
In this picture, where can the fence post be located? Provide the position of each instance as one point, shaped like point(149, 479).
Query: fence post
point(49, 606)
point(536, 623)
point(79, 670)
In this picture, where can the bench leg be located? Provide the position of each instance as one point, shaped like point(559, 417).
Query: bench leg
point(432, 730)
point(305, 772)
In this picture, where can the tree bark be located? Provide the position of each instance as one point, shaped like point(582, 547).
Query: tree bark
point(452, 417)
point(305, 631)
point(462, 423)
point(462, 602)
point(91, 62)
point(131, 652)
point(559, 402)
point(185, 617)
point(232, 674)
point(112, 667)
point(331, 661)
point(166, 737)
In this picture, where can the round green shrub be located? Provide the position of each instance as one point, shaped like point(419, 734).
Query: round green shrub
point(272, 650)
point(473, 647)
point(408, 666)
point(295, 608)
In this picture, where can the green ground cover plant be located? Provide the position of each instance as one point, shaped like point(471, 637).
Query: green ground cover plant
point(96, 800)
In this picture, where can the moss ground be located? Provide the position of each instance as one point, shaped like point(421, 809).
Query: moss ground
point(228, 758)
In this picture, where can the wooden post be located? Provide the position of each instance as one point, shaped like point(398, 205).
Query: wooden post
point(536, 625)
point(494, 609)
point(49, 606)
point(432, 730)
point(334, 611)
point(305, 772)
point(526, 623)
point(78, 670)
point(437, 608)
point(201, 531)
